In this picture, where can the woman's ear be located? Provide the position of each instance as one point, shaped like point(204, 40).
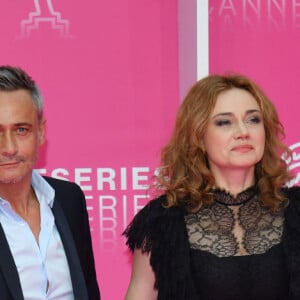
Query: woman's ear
point(202, 146)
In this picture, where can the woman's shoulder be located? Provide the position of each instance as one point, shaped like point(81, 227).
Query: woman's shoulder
point(152, 223)
point(162, 232)
point(293, 195)
point(292, 212)
point(293, 192)
point(157, 208)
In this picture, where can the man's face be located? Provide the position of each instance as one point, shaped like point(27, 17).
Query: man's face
point(21, 134)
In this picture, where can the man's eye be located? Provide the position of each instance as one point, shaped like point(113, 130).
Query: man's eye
point(22, 130)
point(223, 122)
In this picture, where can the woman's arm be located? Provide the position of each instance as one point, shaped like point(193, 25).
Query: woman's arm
point(142, 280)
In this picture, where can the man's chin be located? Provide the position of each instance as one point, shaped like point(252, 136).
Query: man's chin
point(12, 180)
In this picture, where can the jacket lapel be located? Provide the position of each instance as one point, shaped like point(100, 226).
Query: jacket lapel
point(78, 282)
point(9, 269)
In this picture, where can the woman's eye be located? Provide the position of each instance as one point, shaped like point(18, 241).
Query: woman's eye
point(223, 122)
point(254, 119)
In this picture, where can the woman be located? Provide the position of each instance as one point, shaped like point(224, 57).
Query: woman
point(224, 227)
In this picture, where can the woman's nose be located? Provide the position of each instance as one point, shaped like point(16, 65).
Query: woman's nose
point(241, 132)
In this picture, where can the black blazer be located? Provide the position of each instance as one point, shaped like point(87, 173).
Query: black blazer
point(71, 219)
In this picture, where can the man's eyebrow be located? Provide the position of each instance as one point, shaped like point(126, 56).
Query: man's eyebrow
point(23, 124)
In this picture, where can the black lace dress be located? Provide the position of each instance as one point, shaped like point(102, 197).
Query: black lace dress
point(235, 249)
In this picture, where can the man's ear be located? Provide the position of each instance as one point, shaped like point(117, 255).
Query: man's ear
point(41, 133)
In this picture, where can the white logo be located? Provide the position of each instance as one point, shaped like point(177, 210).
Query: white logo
point(44, 13)
point(294, 164)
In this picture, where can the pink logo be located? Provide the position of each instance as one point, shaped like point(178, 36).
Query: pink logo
point(44, 13)
point(294, 164)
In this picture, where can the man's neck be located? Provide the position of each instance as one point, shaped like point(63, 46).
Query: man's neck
point(18, 194)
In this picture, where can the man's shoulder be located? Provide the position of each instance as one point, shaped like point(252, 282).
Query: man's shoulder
point(60, 184)
point(67, 193)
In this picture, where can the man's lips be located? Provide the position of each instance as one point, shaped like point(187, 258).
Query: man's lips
point(9, 163)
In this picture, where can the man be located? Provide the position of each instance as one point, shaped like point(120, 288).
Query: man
point(45, 242)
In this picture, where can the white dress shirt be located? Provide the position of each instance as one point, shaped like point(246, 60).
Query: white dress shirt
point(43, 268)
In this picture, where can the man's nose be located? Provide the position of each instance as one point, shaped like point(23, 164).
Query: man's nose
point(8, 144)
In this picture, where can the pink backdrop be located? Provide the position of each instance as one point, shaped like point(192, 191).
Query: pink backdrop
point(108, 71)
point(260, 38)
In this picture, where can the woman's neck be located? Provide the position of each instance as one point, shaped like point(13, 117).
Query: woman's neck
point(234, 181)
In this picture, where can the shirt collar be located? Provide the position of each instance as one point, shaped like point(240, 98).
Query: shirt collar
point(42, 188)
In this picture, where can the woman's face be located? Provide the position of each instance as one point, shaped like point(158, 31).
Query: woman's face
point(235, 136)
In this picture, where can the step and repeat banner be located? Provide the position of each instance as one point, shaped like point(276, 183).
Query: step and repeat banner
point(261, 39)
point(109, 74)
point(108, 71)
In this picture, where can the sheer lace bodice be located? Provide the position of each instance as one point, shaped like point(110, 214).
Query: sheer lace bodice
point(183, 272)
point(235, 226)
